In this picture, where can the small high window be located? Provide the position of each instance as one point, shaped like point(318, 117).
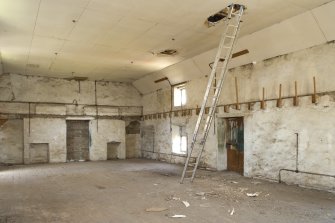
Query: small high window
point(179, 139)
point(179, 95)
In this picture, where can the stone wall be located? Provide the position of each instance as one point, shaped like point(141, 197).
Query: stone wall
point(270, 139)
point(46, 103)
point(11, 141)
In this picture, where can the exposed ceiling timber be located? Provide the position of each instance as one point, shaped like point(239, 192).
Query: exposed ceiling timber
point(121, 39)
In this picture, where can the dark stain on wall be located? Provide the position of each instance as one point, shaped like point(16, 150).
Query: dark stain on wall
point(133, 127)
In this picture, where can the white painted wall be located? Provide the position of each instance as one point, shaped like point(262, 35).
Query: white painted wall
point(107, 131)
point(270, 142)
point(42, 89)
point(269, 134)
point(46, 130)
point(17, 90)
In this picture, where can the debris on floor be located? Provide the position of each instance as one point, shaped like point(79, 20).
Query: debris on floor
point(242, 189)
point(233, 182)
point(253, 194)
point(177, 216)
point(156, 209)
point(200, 194)
point(186, 204)
point(255, 182)
point(232, 212)
point(172, 198)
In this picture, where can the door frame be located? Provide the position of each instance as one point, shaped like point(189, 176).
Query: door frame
point(88, 119)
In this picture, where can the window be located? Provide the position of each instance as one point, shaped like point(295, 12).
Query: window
point(179, 139)
point(179, 95)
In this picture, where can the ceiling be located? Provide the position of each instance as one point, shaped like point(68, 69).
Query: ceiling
point(119, 40)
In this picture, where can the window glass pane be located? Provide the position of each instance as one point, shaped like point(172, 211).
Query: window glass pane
point(183, 146)
point(176, 144)
point(176, 97)
point(183, 96)
point(179, 96)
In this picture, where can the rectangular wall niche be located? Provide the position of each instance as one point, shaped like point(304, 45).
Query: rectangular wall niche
point(38, 152)
point(148, 138)
point(112, 150)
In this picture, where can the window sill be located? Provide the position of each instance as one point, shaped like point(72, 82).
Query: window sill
point(179, 154)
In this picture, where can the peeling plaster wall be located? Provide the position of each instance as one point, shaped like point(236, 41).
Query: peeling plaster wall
point(108, 131)
point(273, 142)
point(133, 139)
point(46, 130)
point(11, 141)
point(42, 89)
point(49, 125)
point(269, 135)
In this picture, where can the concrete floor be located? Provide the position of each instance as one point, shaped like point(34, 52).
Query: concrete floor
point(121, 191)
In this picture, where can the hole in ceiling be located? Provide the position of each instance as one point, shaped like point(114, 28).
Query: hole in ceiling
point(31, 65)
point(221, 15)
point(213, 19)
point(169, 52)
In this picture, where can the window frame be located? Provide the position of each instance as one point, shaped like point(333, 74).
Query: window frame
point(181, 151)
point(181, 87)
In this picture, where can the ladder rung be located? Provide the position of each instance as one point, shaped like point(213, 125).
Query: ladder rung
point(206, 117)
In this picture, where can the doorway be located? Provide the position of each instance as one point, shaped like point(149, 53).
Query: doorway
point(77, 140)
point(235, 144)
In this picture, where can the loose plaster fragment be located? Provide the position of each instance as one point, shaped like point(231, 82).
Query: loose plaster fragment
point(178, 216)
point(186, 204)
point(200, 194)
point(242, 189)
point(172, 198)
point(232, 212)
point(156, 209)
point(255, 182)
point(253, 194)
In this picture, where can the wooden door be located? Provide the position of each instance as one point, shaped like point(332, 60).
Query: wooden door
point(235, 144)
point(77, 140)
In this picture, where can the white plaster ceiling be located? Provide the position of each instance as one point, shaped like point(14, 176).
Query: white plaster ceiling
point(118, 39)
point(310, 28)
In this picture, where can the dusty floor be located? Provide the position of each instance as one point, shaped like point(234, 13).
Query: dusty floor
point(121, 191)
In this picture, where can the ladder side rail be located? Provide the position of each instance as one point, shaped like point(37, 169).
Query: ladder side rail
point(217, 93)
point(203, 106)
point(209, 83)
point(222, 75)
point(224, 72)
point(209, 118)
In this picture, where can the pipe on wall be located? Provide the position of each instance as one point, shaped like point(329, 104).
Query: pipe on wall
point(297, 165)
